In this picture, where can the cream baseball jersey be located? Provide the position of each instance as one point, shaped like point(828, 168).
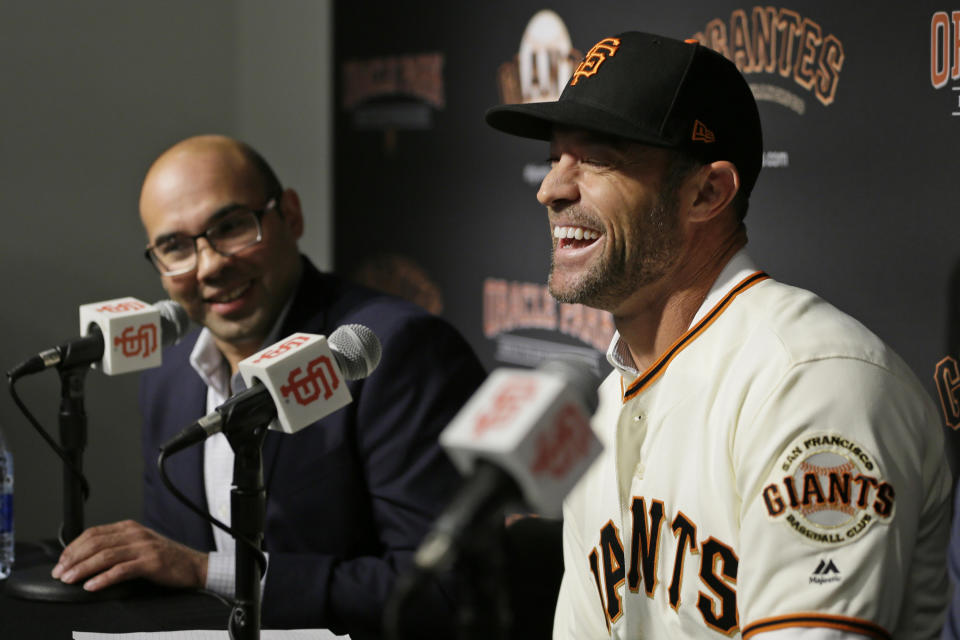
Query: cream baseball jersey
point(778, 468)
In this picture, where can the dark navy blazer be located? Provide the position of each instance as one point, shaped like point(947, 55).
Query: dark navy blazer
point(350, 497)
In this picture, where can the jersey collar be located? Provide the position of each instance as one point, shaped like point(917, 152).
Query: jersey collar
point(737, 276)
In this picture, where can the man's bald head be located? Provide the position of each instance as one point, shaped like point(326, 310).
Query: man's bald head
point(231, 155)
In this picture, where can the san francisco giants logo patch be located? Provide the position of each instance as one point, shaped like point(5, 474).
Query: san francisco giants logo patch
point(595, 57)
point(137, 341)
point(829, 490)
point(307, 389)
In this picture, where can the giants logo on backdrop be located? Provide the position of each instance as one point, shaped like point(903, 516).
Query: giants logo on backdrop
point(945, 55)
point(307, 388)
point(947, 378)
point(779, 52)
point(539, 71)
point(136, 341)
point(394, 92)
point(718, 565)
point(543, 64)
point(514, 306)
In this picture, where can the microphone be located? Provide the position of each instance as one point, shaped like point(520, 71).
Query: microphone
point(291, 384)
point(118, 335)
point(524, 434)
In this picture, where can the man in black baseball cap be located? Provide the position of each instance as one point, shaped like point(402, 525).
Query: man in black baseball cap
point(769, 465)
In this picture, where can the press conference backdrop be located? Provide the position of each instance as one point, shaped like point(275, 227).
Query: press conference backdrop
point(857, 201)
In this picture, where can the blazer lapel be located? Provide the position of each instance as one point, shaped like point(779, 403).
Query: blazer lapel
point(304, 315)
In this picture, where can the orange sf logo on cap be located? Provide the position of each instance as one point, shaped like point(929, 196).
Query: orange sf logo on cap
point(595, 57)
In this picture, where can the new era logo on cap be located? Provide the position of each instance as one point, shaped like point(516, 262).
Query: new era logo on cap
point(594, 58)
point(701, 133)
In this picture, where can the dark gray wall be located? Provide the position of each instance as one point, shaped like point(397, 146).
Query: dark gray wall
point(91, 93)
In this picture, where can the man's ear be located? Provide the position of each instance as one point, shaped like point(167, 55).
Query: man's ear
point(291, 212)
point(717, 183)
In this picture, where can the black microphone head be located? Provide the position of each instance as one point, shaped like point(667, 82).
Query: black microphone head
point(582, 379)
point(357, 350)
point(174, 321)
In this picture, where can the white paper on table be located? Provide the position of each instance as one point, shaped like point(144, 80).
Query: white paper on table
point(285, 634)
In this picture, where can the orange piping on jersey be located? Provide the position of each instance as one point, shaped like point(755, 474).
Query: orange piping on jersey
point(657, 368)
point(820, 620)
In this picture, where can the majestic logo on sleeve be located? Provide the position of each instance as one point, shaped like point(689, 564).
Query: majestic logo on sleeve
point(829, 490)
point(307, 388)
point(137, 341)
point(597, 55)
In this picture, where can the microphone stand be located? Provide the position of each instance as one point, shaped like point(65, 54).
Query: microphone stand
point(73, 439)
point(247, 516)
point(35, 583)
point(484, 611)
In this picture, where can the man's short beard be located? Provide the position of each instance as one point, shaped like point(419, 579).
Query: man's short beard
point(613, 278)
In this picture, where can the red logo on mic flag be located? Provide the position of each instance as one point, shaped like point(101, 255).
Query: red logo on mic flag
point(511, 396)
point(140, 340)
point(279, 350)
point(121, 307)
point(560, 447)
point(307, 389)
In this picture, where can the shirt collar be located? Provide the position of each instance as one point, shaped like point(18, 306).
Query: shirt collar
point(210, 364)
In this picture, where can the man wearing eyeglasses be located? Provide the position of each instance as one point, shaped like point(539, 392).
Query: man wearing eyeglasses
point(348, 498)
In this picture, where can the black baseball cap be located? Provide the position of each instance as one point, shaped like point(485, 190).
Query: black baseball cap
point(653, 90)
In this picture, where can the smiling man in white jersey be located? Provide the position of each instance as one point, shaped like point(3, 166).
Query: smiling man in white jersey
point(771, 469)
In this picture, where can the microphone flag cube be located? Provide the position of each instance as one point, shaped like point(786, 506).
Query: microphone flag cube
point(303, 378)
point(532, 425)
point(131, 334)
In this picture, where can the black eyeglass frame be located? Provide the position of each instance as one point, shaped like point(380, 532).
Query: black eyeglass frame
point(272, 203)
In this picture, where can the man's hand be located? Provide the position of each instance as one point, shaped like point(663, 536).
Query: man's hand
point(124, 550)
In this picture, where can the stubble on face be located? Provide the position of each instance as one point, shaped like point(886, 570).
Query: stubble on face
point(655, 238)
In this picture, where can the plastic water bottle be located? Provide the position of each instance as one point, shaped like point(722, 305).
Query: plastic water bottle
point(6, 510)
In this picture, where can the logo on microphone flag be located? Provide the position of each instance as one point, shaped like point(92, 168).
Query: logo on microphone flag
point(131, 334)
point(137, 341)
point(306, 389)
point(289, 344)
point(303, 378)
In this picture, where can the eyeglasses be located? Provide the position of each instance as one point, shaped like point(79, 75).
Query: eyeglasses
point(234, 229)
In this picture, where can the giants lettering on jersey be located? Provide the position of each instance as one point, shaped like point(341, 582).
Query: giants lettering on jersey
point(651, 530)
point(830, 490)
